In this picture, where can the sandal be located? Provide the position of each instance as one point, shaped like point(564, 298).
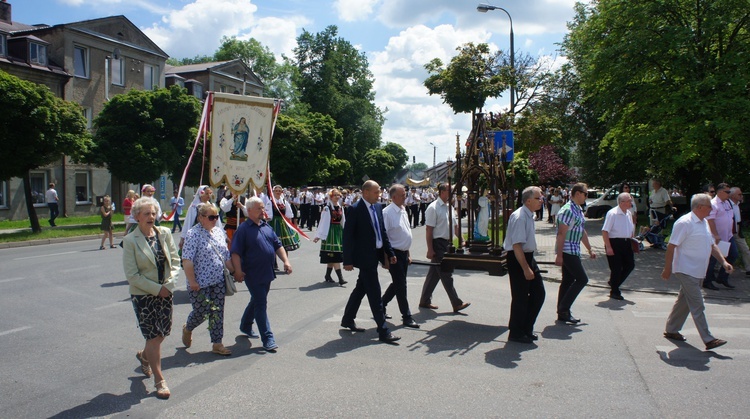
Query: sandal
point(145, 367)
point(162, 391)
point(112, 246)
point(101, 247)
point(220, 349)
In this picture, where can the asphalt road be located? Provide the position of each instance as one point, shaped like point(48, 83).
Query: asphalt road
point(68, 339)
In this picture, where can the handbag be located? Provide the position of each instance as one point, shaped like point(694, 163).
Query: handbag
point(231, 287)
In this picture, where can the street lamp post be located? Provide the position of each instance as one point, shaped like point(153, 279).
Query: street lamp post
point(434, 151)
point(484, 8)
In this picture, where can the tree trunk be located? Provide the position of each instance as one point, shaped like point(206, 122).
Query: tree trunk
point(35, 227)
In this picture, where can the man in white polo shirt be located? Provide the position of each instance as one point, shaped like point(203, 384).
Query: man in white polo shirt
point(616, 232)
point(690, 246)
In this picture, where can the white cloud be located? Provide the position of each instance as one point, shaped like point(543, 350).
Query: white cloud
point(197, 28)
point(414, 118)
point(354, 10)
point(279, 35)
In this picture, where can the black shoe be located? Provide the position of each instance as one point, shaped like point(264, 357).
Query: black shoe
point(726, 284)
point(387, 316)
point(533, 336)
point(352, 326)
point(411, 323)
point(388, 338)
point(616, 297)
point(710, 286)
point(747, 273)
point(342, 282)
point(520, 339)
point(328, 279)
point(567, 318)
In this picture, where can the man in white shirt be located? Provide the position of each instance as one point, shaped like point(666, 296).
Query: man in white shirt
point(50, 197)
point(721, 223)
point(396, 224)
point(437, 235)
point(739, 239)
point(690, 246)
point(617, 233)
point(658, 200)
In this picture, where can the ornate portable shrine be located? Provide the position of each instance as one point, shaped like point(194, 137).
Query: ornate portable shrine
point(480, 189)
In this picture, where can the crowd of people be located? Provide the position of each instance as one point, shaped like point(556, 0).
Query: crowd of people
point(371, 226)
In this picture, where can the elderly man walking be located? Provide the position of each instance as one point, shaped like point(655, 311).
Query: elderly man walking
point(720, 222)
point(526, 285)
point(617, 232)
point(690, 246)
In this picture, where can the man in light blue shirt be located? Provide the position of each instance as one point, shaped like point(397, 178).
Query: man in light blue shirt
point(176, 202)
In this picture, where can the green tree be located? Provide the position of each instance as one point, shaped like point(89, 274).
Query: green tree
point(669, 80)
point(36, 129)
point(304, 150)
point(334, 79)
point(276, 77)
point(144, 133)
point(472, 76)
point(380, 166)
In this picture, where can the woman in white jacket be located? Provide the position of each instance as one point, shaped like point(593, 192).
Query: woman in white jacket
point(331, 231)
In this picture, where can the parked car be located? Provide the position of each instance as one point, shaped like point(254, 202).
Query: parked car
point(599, 207)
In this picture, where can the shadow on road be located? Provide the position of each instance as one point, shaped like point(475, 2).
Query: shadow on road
point(349, 341)
point(107, 404)
point(688, 356)
point(508, 356)
point(457, 337)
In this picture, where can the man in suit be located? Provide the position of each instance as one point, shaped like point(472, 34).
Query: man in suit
point(364, 244)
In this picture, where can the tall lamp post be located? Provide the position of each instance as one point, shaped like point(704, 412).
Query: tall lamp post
point(434, 151)
point(484, 8)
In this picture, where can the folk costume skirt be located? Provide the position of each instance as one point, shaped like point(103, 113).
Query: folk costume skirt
point(331, 250)
point(289, 238)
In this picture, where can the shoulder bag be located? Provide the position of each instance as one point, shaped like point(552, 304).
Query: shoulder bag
point(228, 278)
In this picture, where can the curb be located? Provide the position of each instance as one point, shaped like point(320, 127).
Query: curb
point(12, 245)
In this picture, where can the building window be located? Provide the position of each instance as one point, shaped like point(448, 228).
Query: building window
point(198, 91)
point(38, 188)
point(150, 74)
point(37, 54)
point(81, 62)
point(3, 194)
point(88, 114)
point(2, 44)
point(118, 72)
point(83, 188)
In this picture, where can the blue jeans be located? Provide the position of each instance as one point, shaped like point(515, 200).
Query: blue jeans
point(723, 275)
point(176, 223)
point(256, 311)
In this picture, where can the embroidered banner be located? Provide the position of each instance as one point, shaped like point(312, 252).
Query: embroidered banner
point(241, 130)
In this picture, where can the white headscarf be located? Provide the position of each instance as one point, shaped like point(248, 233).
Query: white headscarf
point(192, 212)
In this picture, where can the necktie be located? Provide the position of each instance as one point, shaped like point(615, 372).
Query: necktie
point(375, 222)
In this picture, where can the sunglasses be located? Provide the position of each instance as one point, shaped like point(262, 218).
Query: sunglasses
point(212, 217)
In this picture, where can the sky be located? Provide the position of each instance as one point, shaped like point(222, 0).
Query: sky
point(397, 36)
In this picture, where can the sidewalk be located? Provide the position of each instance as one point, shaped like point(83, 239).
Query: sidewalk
point(25, 243)
point(646, 277)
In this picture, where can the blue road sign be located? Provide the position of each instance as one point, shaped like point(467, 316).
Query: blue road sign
point(507, 138)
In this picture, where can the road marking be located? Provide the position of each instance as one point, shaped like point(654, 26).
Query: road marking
point(7, 332)
point(112, 305)
point(83, 268)
point(44, 256)
point(10, 280)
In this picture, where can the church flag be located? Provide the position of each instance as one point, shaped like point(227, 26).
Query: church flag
point(241, 129)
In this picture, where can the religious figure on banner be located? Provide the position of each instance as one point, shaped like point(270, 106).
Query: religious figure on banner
point(241, 133)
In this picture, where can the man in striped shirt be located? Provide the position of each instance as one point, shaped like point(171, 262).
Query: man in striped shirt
point(571, 232)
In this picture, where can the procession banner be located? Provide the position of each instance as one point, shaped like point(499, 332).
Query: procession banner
point(241, 129)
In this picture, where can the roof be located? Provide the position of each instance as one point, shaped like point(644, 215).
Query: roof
point(191, 68)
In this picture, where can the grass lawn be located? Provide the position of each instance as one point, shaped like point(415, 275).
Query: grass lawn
point(67, 227)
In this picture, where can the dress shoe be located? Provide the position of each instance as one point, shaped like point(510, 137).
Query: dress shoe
point(616, 297)
point(458, 308)
point(710, 286)
point(520, 339)
point(533, 336)
point(388, 338)
point(411, 323)
point(675, 336)
point(342, 282)
point(715, 343)
point(430, 306)
point(747, 273)
point(726, 284)
point(352, 326)
point(328, 278)
point(567, 318)
point(387, 316)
